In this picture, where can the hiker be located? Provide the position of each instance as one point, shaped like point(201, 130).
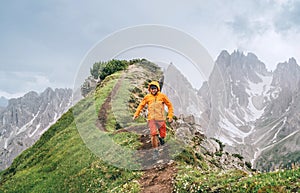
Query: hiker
point(156, 102)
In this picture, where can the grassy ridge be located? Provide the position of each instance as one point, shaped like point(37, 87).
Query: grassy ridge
point(193, 179)
point(61, 162)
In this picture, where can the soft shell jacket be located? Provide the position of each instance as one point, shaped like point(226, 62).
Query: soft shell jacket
point(156, 110)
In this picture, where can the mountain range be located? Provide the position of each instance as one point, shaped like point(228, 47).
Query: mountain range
point(91, 148)
point(26, 118)
point(252, 110)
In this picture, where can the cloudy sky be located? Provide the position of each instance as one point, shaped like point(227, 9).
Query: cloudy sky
point(44, 42)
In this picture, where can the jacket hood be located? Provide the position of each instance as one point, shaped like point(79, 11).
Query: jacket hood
point(154, 83)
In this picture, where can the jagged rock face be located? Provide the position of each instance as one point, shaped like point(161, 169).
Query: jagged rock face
point(26, 118)
point(253, 111)
point(286, 75)
point(250, 109)
point(231, 77)
point(278, 131)
point(237, 87)
point(181, 93)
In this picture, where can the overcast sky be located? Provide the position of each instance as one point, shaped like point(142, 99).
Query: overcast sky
point(44, 42)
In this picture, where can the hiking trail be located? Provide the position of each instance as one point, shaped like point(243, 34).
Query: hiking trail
point(160, 177)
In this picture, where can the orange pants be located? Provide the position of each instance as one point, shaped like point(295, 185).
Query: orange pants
point(157, 126)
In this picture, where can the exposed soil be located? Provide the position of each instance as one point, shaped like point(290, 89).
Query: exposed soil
point(106, 106)
point(158, 179)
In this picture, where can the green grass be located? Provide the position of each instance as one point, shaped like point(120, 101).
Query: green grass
point(127, 139)
point(193, 177)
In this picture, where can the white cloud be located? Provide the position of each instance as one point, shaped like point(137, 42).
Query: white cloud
point(258, 30)
point(17, 83)
point(270, 47)
point(11, 95)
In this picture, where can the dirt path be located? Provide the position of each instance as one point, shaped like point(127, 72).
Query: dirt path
point(158, 179)
point(106, 106)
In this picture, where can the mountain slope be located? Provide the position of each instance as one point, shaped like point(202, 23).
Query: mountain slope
point(62, 161)
point(26, 118)
point(252, 109)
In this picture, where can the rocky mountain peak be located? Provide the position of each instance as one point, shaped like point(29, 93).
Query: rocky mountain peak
point(26, 118)
point(224, 56)
point(241, 62)
point(176, 77)
point(181, 92)
point(30, 95)
point(289, 66)
point(287, 74)
point(234, 74)
point(252, 109)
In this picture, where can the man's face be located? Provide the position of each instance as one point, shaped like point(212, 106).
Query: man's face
point(153, 90)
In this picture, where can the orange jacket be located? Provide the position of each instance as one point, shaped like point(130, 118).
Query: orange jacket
point(156, 110)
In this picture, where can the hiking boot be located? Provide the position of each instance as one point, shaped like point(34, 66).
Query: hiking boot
point(161, 140)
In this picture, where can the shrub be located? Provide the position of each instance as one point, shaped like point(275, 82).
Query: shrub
point(248, 164)
point(238, 156)
point(104, 69)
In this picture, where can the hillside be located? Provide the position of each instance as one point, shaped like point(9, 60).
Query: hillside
point(96, 147)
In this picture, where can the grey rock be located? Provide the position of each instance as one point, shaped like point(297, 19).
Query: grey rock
point(251, 109)
point(26, 118)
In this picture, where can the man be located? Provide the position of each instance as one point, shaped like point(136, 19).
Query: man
point(156, 102)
